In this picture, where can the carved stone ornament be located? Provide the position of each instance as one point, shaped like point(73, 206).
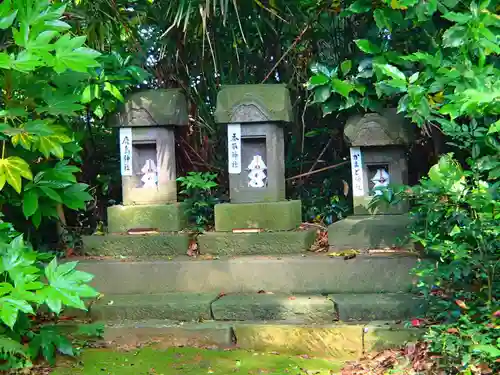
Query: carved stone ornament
point(373, 129)
point(251, 112)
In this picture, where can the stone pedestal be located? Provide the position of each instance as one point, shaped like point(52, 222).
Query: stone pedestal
point(147, 161)
point(378, 160)
point(254, 116)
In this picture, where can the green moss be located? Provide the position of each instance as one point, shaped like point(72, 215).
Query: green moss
point(192, 361)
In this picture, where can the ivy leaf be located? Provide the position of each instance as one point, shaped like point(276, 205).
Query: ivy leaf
point(366, 46)
point(317, 80)
point(344, 88)
point(13, 168)
point(322, 93)
point(391, 71)
point(113, 90)
point(346, 66)
point(455, 36)
point(30, 203)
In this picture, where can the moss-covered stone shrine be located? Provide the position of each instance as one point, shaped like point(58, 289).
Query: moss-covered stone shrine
point(378, 159)
point(254, 116)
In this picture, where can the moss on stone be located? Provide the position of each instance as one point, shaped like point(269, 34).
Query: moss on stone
point(376, 306)
point(163, 217)
point(136, 245)
point(342, 342)
point(273, 99)
point(301, 308)
point(224, 243)
point(381, 335)
point(368, 232)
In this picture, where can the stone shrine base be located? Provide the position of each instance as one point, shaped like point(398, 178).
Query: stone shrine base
point(368, 232)
point(161, 217)
point(286, 242)
point(275, 216)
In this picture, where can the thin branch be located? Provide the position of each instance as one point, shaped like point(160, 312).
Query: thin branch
point(318, 170)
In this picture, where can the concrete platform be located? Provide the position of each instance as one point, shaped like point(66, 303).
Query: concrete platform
point(368, 232)
point(335, 340)
point(116, 245)
point(227, 243)
point(314, 274)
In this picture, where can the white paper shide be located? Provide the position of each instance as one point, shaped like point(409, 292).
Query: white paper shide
point(234, 148)
point(126, 151)
point(150, 177)
point(257, 176)
point(357, 172)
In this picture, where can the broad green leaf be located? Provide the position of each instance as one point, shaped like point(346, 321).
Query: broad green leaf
point(317, 80)
point(51, 193)
point(51, 144)
point(381, 20)
point(75, 196)
point(113, 90)
point(26, 62)
point(30, 203)
point(391, 71)
point(13, 168)
point(318, 69)
point(461, 18)
point(7, 20)
point(5, 61)
point(366, 46)
point(8, 314)
point(360, 6)
point(413, 78)
point(90, 93)
point(494, 128)
point(346, 66)
point(455, 36)
point(344, 88)
point(61, 105)
point(322, 93)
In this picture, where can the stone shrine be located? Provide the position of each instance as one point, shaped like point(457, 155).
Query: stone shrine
point(254, 116)
point(378, 159)
point(147, 161)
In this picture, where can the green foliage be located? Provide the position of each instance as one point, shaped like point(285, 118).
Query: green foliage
point(29, 284)
point(437, 61)
point(44, 70)
point(198, 189)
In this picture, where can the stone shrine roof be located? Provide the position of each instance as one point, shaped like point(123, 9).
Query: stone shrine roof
point(165, 107)
point(253, 103)
point(374, 129)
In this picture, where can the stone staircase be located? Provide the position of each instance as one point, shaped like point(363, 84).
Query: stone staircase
point(302, 303)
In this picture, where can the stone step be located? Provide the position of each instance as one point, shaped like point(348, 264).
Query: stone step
point(254, 307)
point(214, 243)
point(317, 309)
point(313, 274)
point(334, 340)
